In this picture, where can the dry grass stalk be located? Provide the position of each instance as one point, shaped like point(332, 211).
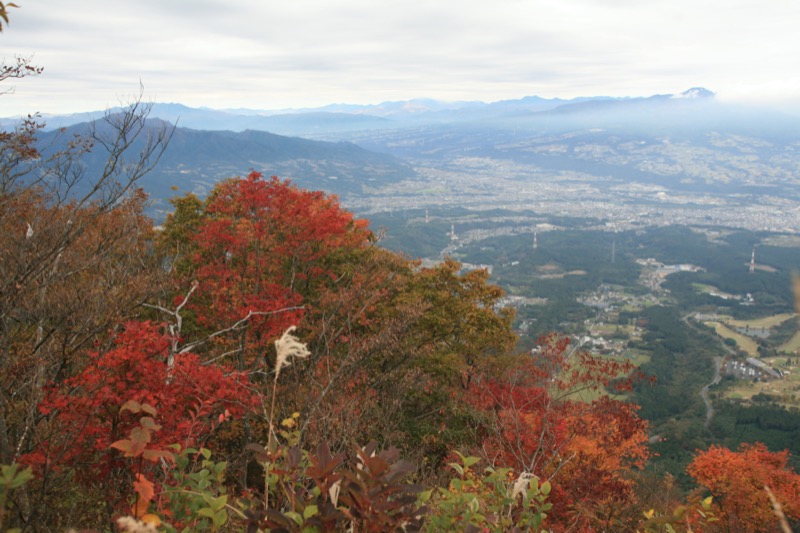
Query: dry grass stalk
point(287, 347)
point(776, 506)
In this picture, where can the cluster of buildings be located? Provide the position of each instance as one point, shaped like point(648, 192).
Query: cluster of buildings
point(752, 369)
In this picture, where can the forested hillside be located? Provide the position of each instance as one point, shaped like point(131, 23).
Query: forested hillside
point(261, 363)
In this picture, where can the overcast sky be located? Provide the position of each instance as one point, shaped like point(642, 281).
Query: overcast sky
point(274, 54)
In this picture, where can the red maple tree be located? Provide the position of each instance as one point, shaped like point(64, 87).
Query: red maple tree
point(543, 425)
point(85, 410)
point(265, 247)
point(738, 481)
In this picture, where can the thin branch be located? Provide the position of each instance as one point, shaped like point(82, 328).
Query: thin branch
point(237, 325)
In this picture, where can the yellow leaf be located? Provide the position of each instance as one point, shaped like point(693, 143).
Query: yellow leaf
point(152, 519)
point(649, 514)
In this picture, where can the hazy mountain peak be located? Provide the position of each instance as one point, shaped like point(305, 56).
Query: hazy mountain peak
point(695, 92)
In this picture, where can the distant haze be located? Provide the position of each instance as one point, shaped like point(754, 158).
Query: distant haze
point(308, 53)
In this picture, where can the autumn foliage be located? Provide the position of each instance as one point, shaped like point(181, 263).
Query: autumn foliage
point(190, 397)
point(539, 423)
point(134, 353)
point(740, 483)
point(128, 353)
point(263, 245)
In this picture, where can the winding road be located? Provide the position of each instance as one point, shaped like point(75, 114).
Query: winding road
point(717, 376)
point(704, 392)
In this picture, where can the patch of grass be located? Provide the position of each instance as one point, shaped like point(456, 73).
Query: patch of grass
point(744, 343)
point(787, 241)
point(639, 357)
point(702, 287)
point(767, 322)
point(710, 289)
point(792, 345)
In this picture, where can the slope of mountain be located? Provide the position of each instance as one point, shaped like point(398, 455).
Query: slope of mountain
point(195, 160)
point(687, 149)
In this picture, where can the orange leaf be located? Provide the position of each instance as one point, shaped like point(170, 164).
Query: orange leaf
point(146, 491)
point(151, 519)
point(123, 445)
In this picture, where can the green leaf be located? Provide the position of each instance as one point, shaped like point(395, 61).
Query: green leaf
point(424, 496)
point(220, 517)
point(294, 516)
point(545, 489)
point(207, 512)
point(310, 511)
point(13, 478)
point(218, 503)
point(470, 461)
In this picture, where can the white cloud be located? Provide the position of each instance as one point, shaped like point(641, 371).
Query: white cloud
point(312, 52)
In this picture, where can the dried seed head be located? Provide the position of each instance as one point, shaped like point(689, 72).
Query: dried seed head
point(521, 484)
point(288, 346)
point(128, 524)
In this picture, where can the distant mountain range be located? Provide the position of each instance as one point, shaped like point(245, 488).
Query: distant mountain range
point(685, 142)
point(342, 118)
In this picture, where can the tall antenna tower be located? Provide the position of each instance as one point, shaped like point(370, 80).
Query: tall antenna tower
point(753, 260)
point(535, 240)
point(427, 219)
point(453, 237)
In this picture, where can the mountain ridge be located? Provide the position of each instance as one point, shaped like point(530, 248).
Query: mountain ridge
point(345, 117)
point(196, 159)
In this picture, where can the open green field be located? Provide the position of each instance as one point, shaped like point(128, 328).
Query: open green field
point(709, 289)
point(744, 342)
point(639, 357)
point(792, 345)
point(702, 287)
point(767, 322)
point(610, 329)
